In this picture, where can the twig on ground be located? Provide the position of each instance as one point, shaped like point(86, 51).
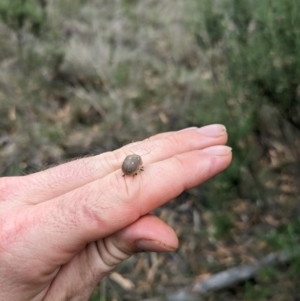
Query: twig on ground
point(227, 278)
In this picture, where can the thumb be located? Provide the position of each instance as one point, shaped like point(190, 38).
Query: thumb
point(149, 234)
point(80, 276)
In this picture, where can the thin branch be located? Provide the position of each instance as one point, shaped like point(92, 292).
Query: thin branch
point(227, 278)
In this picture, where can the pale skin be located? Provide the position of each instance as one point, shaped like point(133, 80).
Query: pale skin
point(63, 229)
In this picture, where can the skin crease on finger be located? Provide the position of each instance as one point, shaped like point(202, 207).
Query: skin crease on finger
point(64, 231)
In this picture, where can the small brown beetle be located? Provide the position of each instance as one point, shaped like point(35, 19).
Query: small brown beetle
point(132, 165)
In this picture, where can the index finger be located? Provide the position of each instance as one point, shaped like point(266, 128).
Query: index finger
point(59, 180)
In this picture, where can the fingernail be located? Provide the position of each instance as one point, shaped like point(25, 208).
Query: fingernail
point(153, 246)
point(213, 130)
point(218, 150)
point(187, 129)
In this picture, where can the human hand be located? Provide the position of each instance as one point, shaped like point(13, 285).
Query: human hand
point(63, 229)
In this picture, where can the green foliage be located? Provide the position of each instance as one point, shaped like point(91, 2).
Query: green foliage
point(256, 292)
point(223, 224)
point(268, 274)
point(263, 53)
point(285, 237)
point(19, 13)
point(252, 49)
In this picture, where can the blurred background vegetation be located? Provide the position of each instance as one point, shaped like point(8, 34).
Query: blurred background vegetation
point(84, 77)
